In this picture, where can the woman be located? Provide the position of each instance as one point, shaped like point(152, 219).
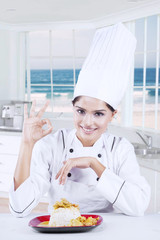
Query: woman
point(86, 165)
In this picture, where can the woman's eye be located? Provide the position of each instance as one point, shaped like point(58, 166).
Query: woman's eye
point(80, 111)
point(99, 114)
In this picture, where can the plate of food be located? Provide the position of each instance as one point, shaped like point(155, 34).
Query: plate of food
point(65, 217)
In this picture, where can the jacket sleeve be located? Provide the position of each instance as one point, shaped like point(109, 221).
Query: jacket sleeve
point(125, 188)
point(28, 194)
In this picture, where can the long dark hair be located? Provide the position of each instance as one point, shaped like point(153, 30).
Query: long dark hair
point(77, 99)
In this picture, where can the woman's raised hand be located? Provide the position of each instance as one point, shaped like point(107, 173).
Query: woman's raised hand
point(33, 124)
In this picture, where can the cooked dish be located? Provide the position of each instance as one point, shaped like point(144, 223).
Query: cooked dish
point(67, 214)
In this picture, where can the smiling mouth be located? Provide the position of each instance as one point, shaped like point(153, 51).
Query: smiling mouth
point(88, 130)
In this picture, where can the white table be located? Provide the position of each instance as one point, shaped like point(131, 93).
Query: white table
point(114, 227)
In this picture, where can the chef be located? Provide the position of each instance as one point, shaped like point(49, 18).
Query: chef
point(86, 165)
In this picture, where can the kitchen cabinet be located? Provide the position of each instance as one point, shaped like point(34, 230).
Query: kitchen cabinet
point(9, 144)
point(7, 167)
point(153, 178)
point(158, 191)
point(150, 177)
point(9, 148)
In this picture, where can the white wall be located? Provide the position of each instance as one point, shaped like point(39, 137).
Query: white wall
point(4, 64)
point(11, 87)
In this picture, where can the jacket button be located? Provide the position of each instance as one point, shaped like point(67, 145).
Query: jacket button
point(71, 150)
point(99, 155)
point(69, 174)
point(97, 179)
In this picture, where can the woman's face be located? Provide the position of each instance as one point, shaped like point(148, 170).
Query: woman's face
point(91, 118)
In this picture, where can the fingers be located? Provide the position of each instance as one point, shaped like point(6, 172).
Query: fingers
point(60, 171)
point(32, 111)
point(43, 109)
point(49, 127)
point(62, 174)
point(80, 162)
point(58, 174)
point(25, 111)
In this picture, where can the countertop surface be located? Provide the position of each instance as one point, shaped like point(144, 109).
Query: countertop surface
point(153, 164)
point(114, 227)
point(10, 133)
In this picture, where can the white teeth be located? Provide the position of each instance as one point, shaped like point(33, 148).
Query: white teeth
point(88, 130)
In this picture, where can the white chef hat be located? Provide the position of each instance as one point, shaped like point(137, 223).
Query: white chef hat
point(105, 72)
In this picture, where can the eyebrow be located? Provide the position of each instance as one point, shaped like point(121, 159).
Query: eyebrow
point(99, 110)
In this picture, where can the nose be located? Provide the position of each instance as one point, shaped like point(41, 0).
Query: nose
point(87, 121)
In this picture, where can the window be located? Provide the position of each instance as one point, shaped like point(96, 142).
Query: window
point(53, 64)
point(146, 98)
point(54, 59)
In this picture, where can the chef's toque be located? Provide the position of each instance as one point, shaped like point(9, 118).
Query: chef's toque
point(105, 72)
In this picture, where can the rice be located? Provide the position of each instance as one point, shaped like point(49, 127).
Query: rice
point(62, 216)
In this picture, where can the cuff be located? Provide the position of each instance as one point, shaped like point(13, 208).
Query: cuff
point(22, 199)
point(110, 185)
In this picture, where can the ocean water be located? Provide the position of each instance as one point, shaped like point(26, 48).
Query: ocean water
point(150, 79)
point(65, 77)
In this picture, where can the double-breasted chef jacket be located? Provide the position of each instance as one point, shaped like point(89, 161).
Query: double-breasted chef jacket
point(120, 188)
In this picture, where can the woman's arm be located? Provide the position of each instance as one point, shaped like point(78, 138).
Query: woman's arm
point(32, 132)
point(22, 171)
point(125, 188)
point(27, 195)
point(80, 162)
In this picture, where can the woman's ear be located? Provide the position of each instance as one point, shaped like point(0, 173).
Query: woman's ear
point(113, 114)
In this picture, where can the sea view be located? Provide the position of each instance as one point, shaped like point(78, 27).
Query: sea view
point(62, 94)
point(65, 77)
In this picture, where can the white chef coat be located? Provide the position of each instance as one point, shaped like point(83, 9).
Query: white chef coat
point(120, 188)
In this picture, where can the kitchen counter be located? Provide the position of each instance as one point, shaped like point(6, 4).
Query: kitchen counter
point(153, 164)
point(10, 133)
point(114, 227)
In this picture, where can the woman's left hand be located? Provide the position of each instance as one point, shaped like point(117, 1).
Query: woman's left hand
point(80, 162)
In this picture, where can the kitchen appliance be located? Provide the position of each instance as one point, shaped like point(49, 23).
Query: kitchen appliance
point(8, 114)
point(12, 115)
point(18, 115)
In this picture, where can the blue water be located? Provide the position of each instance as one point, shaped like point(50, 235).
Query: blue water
point(150, 79)
point(65, 76)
